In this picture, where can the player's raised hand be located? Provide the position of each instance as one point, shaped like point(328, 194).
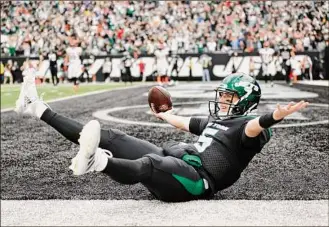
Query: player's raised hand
point(282, 111)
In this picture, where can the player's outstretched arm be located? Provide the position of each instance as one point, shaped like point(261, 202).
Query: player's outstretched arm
point(282, 112)
point(255, 126)
point(179, 122)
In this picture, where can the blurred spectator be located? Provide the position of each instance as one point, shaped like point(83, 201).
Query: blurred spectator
point(236, 62)
point(141, 66)
point(28, 68)
point(252, 68)
point(306, 67)
point(161, 62)
point(176, 61)
point(16, 73)
point(127, 62)
point(32, 28)
point(72, 62)
point(190, 67)
point(295, 68)
point(8, 76)
point(40, 73)
point(107, 68)
point(2, 71)
point(205, 61)
point(86, 65)
point(266, 54)
point(326, 60)
point(285, 50)
point(53, 67)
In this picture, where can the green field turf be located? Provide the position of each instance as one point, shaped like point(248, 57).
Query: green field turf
point(9, 93)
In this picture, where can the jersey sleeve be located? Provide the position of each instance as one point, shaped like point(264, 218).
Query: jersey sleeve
point(197, 125)
point(257, 142)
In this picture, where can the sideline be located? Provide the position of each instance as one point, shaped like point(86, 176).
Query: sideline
point(324, 83)
point(85, 94)
point(156, 213)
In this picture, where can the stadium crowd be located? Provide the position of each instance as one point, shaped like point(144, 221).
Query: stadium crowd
point(31, 28)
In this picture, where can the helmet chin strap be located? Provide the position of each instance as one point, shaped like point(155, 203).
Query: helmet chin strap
point(222, 114)
point(223, 117)
point(250, 109)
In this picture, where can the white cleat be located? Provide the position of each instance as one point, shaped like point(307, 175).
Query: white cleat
point(87, 159)
point(28, 96)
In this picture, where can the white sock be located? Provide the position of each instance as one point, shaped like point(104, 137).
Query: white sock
point(40, 108)
point(101, 158)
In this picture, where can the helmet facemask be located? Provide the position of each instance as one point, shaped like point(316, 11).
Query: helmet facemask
point(233, 108)
point(241, 86)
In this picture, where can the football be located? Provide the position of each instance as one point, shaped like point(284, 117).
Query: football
point(159, 99)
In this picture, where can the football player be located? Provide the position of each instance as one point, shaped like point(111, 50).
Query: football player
point(205, 61)
point(8, 75)
point(266, 55)
point(162, 65)
point(127, 62)
point(73, 54)
point(176, 61)
point(285, 50)
point(295, 67)
point(52, 56)
point(228, 140)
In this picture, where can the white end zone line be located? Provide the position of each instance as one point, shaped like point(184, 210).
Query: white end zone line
point(104, 115)
point(82, 95)
point(156, 213)
point(324, 83)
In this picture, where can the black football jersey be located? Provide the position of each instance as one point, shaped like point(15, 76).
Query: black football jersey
point(223, 147)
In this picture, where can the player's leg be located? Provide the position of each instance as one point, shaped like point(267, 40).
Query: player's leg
point(106, 75)
point(88, 76)
point(56, 76)
point(53, 75)
point(207, 74)
point(6, 77)
point(203, 75)
point(252, 74)
point(119, 143)
point(265, 72)
point(306, 74)
point(289, 75)
point(173, 180)
point(130, 76)
point(265, 77)
point(271, 75)
point(70, 72)
point(142, 76)
point(175, 69)
point(159, 77)
point(190, 75)
point(73, 74)
point(168, 178)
